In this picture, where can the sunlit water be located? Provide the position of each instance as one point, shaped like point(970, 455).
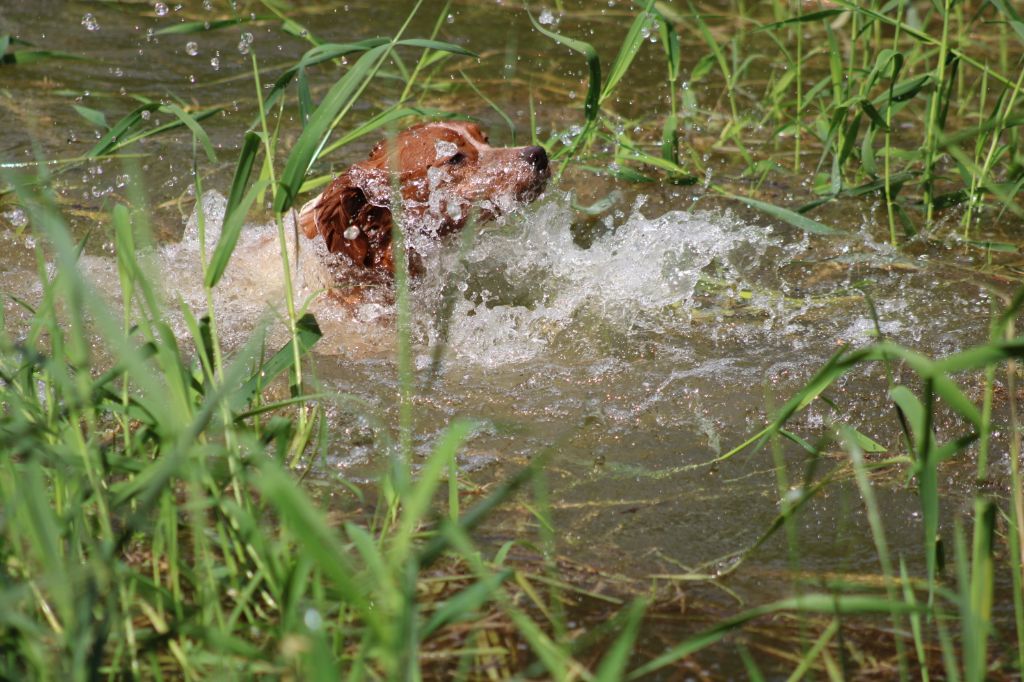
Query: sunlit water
point(639, 359)
point(636, 360)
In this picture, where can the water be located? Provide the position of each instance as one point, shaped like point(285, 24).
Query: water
point(639, 347)
point(642, 358)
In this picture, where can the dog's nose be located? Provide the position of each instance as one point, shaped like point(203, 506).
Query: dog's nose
point(536, 157)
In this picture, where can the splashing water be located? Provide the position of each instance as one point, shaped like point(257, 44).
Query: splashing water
point(524, 289)
point(526, 286)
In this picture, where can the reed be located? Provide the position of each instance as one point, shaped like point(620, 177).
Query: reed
point(154, 520)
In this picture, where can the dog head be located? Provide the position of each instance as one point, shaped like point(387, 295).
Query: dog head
point(442, 172)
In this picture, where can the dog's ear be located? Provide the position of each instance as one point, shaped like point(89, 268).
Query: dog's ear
point(350, 224)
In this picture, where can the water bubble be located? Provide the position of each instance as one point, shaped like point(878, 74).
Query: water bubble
point(351, 233)
point(146, 113)
point(192, 48)
point(17, 217)
point(90, 23)
point(215, 63)
point(546, 17)
point(654, 30)
point(313, 619)
point(160, 9)
point(245, 42)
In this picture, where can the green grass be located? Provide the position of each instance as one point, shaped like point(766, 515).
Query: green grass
point(154, 519)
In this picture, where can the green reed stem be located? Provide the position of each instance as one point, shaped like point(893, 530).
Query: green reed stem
point(932, 126)
point(1017, 500)
point(282, 241)
point(878, 536)
point(890, 208)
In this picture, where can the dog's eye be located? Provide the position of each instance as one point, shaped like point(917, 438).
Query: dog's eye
point(457, 159)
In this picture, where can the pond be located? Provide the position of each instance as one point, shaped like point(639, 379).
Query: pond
point(635, 344)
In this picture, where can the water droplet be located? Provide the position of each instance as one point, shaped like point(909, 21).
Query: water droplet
point(90, 23)
point(192, 48)
point(17, 217)
point(443, 149)
point(313, 619)
point(215, 63)
point(245, 42)
point(160, 9)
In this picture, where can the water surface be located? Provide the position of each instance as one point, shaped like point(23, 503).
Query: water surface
point(639, 345)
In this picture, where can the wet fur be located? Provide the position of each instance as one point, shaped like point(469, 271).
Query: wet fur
point(444, 171)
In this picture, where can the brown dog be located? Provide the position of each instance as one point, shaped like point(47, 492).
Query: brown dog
point(444, 170)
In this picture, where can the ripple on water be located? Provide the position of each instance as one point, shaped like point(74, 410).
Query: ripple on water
point(690, 287)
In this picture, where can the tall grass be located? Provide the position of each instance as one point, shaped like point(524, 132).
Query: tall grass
point(152, 523)
point(917, 103)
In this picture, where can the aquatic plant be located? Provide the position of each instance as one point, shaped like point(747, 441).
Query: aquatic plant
point(165, 510)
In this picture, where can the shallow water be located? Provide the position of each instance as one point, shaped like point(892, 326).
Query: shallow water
point(638, 359)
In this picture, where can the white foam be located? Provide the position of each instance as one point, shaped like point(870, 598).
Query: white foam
point(532, 284)
point(525, 287)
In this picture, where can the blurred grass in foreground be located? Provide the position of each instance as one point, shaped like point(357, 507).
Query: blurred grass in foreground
point(152, 522)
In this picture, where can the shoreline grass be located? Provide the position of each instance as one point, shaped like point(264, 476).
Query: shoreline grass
point(151, 520)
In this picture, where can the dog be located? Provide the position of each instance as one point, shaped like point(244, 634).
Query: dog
point(443, 173)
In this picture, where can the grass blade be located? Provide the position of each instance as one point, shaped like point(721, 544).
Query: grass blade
point(592, 103)
point(810, 603)
point(310, 530)
point(197, 130)
point(465, 604)
point(187, 27)
point(627, 52)
point(314, 135)
point(795, 219)
point(109, 140)
point(308, 333)
point(230, 231)
point(614, 662)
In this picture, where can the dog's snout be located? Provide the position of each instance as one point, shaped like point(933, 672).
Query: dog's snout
point(536, 157)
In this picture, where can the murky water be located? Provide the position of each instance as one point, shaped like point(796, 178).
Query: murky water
point(640, 358)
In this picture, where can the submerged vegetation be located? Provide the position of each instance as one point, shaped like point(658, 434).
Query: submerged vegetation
point(168, 506)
